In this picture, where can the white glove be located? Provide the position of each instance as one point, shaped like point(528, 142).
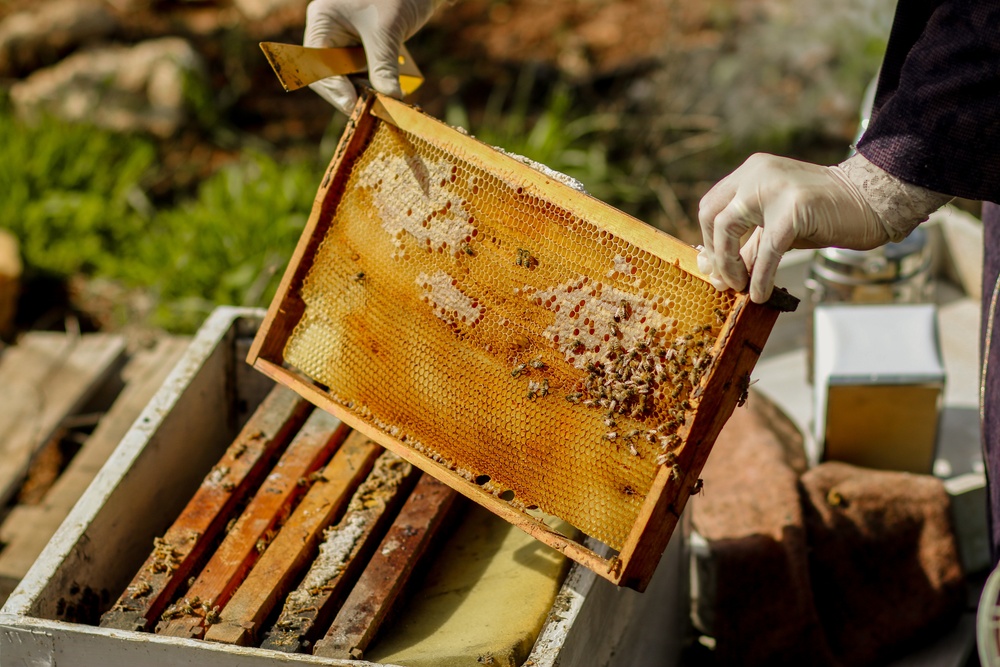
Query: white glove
point(853, 205)
point(381, 26)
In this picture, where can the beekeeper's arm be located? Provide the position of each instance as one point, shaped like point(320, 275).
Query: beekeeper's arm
point(791, 204)
point(381, 26)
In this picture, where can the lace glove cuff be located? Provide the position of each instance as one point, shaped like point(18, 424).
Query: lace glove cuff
point(899, 206)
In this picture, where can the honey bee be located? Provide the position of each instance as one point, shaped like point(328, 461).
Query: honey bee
point(467, 249)
point(633, 433)
point(745, 385)
point(623, 311)
point(609, 422)
point(666, 458)
point(720, 315)
point(140, 590)
point(610, 435)
point(697, 487)
point(359, 277)
point(517, 370)
point(574, 397)
point(537, 363)
point(543, 388)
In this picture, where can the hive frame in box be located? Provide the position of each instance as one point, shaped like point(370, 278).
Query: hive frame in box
point(736, 349)
point(174, 442)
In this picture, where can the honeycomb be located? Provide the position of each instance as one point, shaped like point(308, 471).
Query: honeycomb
point(487, 327)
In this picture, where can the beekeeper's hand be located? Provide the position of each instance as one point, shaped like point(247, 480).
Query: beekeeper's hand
point(853, 205)
point(381, 26)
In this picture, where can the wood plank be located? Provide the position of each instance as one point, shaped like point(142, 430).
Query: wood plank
point(42, 400)
point(382, 582)
point(34, 527)
point(295, 544)
point(176, 555)
point(252, 532)
point(23, 370)
point(143, 373)
point(342, 556)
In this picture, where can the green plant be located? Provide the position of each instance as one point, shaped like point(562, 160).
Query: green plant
point(229, 243)
point(72, 194)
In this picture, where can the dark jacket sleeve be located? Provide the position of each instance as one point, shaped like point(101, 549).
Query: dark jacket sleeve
point(936, 121)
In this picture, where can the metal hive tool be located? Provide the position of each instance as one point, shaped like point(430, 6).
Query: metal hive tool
point(535, 349)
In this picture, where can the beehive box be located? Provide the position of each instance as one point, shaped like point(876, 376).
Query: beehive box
point(174, 443)
point(537, 350)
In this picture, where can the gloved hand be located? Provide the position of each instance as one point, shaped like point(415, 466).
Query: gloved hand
point(853, 205)
point(381, 26)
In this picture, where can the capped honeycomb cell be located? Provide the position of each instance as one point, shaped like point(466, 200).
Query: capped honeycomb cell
point(525, 343)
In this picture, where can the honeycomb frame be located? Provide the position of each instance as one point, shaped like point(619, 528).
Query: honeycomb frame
point(577, 365)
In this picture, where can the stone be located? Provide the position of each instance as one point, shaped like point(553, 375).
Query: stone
point(753, 576)
point(122, 88)
point(884, 562)
point(29, 39)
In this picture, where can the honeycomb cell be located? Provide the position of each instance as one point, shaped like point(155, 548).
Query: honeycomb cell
point(506, 348)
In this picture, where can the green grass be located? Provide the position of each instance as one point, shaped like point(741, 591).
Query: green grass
point(74, 197)
point(228, 244)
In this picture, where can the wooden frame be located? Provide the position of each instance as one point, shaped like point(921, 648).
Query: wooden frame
point(736, 351)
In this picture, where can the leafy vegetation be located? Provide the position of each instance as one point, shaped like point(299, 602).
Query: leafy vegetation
point(227, 245)
point(74, 196)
